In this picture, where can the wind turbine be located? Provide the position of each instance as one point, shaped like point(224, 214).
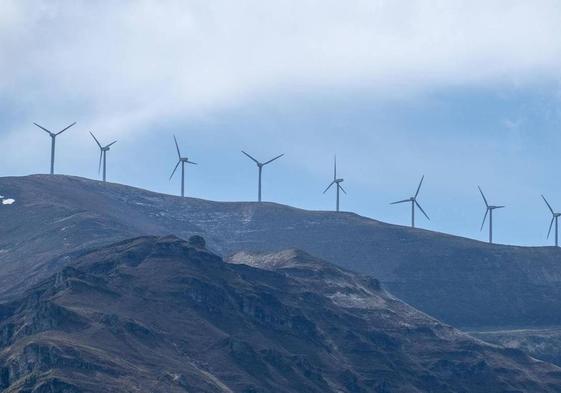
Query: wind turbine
point(413, 201)
point(260, 166)
point(489, 210)
point(337, 182)
point(102, 154)
point(182, 161)
point(554, 217)
point(53, 136)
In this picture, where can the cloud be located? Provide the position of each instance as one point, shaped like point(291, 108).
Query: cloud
point(130, 62)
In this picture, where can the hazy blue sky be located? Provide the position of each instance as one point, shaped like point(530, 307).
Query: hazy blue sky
point(465, 92)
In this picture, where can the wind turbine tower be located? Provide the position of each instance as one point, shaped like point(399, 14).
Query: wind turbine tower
point(413, 201)
point(489, 210)
point(555, 217)
point(102, 155)
point(337, 182)
point(260, 166)
point(182, 161)
point(53, 136)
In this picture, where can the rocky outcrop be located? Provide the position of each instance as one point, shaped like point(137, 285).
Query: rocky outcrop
point(161, 314)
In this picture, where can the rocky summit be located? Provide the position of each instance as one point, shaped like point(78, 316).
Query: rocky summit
point(160, 314)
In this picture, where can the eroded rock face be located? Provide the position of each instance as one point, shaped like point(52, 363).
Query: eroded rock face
point(161, 314)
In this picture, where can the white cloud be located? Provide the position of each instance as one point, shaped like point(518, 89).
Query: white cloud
point(129, 62)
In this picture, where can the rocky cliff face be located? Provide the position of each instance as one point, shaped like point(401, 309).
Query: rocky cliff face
point(161, 314)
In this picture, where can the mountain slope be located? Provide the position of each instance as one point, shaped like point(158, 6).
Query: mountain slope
point(460, 281)
point(165, 315)
point(542, 343)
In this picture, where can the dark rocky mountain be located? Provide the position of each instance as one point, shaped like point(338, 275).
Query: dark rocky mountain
point(159, 314)
point(460, 281)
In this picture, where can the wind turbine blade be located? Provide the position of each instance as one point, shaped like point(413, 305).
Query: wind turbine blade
point(404, 200)
point(421, 209)
point(484, 218)
point(329, 186)
point(174, 169)
point(499, 207)
point(253, 159)
point(64, 129)
point(111, 144)
point(268, 162)
point(95, 139)
point(483, 195)
point(100, 157)
point(341, 187)
point(334, 167)
point(191, 162)
point(548, 205)
point(420, 184)
point(43, 128)
point(550, 225)
point(177, 147)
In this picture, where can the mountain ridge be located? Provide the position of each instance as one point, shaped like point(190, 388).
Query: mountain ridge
point(461, 281)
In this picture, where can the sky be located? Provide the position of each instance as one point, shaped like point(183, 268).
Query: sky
point(466, 93)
